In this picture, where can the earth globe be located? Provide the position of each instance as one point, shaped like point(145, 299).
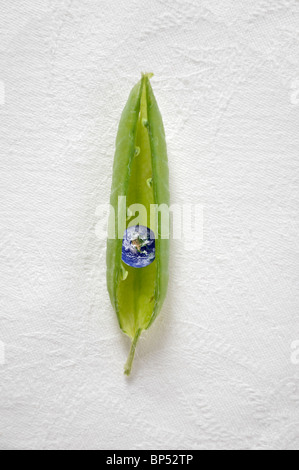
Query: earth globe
point(138, 246)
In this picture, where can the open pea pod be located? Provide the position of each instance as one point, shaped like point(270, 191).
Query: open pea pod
point(138, 246)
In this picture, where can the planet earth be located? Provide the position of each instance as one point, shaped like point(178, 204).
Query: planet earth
point(138, 247)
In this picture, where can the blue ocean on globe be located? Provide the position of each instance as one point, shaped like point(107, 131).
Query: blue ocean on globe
point(138, 247)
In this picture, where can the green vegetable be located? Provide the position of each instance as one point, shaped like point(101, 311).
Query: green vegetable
point(140, 172)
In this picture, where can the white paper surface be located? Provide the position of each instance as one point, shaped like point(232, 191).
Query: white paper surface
point(217, 369)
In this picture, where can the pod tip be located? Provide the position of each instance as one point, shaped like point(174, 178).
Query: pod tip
point(128, 364)
point(147, 75)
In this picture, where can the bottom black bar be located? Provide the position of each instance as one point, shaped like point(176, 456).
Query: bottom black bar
point(142, 458)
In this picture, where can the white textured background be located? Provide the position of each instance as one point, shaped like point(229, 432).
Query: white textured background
point(215, 370)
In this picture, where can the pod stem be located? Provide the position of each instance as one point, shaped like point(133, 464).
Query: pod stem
point(128, 364)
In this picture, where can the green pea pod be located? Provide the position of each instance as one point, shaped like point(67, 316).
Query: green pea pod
point(140, 176)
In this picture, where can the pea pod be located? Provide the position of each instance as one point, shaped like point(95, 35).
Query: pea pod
point(137, 255)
